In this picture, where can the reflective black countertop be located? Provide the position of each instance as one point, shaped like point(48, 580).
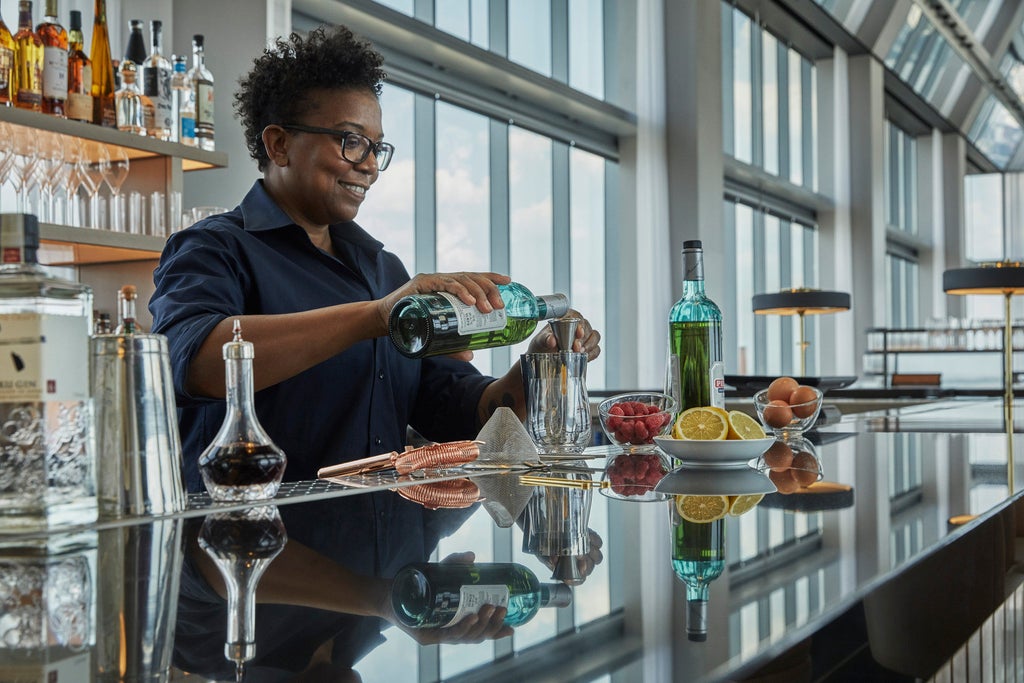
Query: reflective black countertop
point(825, 579)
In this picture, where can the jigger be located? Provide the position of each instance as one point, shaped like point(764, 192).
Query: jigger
point(564, 330)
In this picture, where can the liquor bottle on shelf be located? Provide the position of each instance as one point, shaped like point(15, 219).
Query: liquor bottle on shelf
point(156, 85)
point(103, 88)
point(135, 48)
point(79, 104)
point(128, 101)
point(184, 103)
point(55, 61)
point(202, 83)
point(7, 48)
point(128, 322)
point(241, 463)
point(696, 374)
point(439, 323)
point(27, 84)
point(50, 462)
point(698, 558)
point(435, 595)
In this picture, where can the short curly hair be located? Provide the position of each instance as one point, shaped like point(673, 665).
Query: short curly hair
point(276, 89)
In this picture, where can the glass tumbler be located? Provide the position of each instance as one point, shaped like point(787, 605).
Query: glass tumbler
point(557, 406)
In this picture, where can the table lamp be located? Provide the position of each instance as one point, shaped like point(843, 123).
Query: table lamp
point(801, 301)
point(999, 277)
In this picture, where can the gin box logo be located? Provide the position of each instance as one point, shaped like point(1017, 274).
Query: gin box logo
point(19, 363)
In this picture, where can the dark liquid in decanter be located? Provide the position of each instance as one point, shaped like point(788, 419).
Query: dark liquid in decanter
point(244, 470)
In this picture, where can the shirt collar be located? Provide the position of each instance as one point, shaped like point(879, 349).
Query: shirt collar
point(260, 212)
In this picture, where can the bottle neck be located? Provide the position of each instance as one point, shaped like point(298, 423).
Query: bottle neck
point(693, 272)
point(99, 10)
point(25, 18)
point(127, 323)
point(238, 386)
point(198, 57)
point(157, 39)
point(51, 11)
point(75, 39)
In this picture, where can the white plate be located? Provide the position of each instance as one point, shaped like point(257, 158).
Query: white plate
point(703, 481)
point(717, 454)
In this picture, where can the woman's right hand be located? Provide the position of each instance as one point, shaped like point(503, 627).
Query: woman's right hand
point(479, 289)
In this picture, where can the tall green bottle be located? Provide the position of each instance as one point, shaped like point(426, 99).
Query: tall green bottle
point(698, 558)
point(696, 374)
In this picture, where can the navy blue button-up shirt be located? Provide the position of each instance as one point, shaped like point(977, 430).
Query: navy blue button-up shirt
point(255, 260)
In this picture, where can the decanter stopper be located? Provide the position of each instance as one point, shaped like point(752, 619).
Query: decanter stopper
point(242, 463)
point(242, 545)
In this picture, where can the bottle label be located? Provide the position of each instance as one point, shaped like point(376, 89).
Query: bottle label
point(6, 64)
point(469, 319)
point(55, 73)
point(472, 598)
point(156, 84)
point(43, 358)
point(79, 106)
point(188, 130)
point(204, 105)
point(716, 378)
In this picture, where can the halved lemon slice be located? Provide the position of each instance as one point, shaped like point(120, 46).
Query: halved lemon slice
point(739, 505)
point(742, 426)
point(702, 424)
point(702, 509)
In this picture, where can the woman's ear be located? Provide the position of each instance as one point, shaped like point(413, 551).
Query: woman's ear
point(275, 141)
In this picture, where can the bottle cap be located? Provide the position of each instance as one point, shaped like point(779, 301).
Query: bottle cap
point(156, 24)
point(76, 20)
point(559, 595)
point(692, 244)
point(19, 238)
point(557, 305)
point(197, 39)
point(137, 24)
point(237, 348)
point(697, 620)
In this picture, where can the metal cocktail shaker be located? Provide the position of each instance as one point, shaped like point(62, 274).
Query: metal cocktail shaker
point(140, 466)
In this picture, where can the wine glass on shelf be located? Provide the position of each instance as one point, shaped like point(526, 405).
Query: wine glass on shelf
point(6, 152)
point(117, 173)
point(25, 159)
point(93, 168)
point(70, 176)
point(50, 162)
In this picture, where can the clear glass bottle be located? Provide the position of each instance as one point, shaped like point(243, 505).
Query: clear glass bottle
point(135, 48)
point(242, 463)
point(184, 103)
point(79, 103)
point(127, 320)
point(432, 595)
point(696, 374)
point(128, 101)
point(27, 83)
point(46, 425)
point(55, 61)
point(698, 558)
point(7, 49)
point(439, 323)
point(103, 88)
point(156, 85)
point(202, 83)
point(242, 545)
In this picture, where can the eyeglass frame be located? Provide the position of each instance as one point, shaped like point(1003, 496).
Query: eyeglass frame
point(342, 136)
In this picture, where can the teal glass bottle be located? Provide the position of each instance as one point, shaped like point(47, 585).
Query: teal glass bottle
point(698, 558)
point(434, 595)
point(440, 323)
point(695, 372)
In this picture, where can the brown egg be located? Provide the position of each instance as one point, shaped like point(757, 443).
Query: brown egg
point(805, 395)
point(779, 457)
point(784, 481)
point(778, 414)
point(780, 389)
point(805, 468)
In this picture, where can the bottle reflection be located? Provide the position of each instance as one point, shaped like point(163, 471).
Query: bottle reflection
point(242, 545)
point(698, 558)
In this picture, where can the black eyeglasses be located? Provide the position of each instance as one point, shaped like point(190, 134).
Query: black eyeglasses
point(355, 147)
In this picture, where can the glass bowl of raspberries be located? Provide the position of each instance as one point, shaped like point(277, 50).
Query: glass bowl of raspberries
point(633, 476)
point(631, 421)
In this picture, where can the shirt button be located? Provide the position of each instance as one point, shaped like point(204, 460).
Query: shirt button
point(377, 441)
point(381, 374)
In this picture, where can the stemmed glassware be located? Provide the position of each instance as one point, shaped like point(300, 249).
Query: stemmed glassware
point(6, 150)
point(25, 159)
point(93, 167)
point(117, 173)
point(70, 178)
point(48, 171)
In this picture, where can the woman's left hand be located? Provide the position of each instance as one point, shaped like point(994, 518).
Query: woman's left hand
point(588, 340)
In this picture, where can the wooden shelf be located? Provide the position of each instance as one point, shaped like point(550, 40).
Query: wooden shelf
point(63, 245)
point(137, 146)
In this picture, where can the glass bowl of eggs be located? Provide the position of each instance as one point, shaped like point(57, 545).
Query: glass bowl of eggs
point(786, 408)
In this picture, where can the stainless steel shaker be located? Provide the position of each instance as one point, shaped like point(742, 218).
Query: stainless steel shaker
point(139, 447)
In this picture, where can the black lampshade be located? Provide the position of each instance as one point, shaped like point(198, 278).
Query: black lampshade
point(801, 301)
point(1004, 277)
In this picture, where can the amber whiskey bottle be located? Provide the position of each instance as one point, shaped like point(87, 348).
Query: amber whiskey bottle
point(54, 38)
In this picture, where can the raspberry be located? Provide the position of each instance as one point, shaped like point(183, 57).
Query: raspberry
point(640, 434)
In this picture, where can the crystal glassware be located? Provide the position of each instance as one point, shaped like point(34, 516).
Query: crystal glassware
point(117, 173)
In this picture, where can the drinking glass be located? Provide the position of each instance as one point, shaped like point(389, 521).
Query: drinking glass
point(25, 159)
point(115, 177)
point(6, 150)
point(72, 180)
point(48, 171)
point(93, 167)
